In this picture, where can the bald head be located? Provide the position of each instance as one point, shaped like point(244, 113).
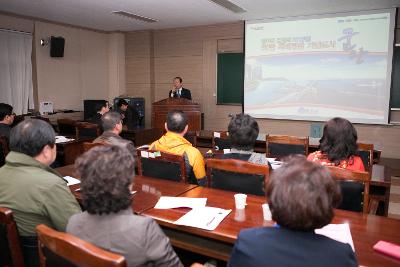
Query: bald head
point(176, 121)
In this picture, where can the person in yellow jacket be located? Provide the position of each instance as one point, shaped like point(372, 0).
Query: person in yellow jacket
point(174, 142)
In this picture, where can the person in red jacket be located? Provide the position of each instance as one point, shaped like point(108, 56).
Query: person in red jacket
point(338, 146)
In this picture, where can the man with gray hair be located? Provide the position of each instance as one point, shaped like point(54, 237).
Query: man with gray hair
point(31, 189)
point(112, 126)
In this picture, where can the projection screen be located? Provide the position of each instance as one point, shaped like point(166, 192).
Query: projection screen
point(319, 67)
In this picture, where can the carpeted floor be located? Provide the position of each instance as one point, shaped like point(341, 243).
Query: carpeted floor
point(394, 204)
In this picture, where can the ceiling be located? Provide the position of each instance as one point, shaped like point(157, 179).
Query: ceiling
point(96, 14)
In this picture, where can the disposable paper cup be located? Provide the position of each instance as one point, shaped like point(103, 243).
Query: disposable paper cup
point(266, 212)
point(240, 215)
point(240, 201)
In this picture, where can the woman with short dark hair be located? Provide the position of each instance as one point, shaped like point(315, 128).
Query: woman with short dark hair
point(301, 196)
point(338, 146)
point(243, 132)
point(106, 176)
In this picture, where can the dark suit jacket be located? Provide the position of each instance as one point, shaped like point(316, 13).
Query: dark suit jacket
point(131, 117)
point(5, 130)
point(185, 93)
point(278, 246)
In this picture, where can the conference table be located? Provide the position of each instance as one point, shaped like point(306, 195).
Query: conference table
point(366, 229)
point(147, 190)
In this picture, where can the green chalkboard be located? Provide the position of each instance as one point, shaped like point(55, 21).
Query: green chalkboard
point(395, 93)
point(230, 73)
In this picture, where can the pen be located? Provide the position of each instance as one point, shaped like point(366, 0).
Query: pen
point(210, 221)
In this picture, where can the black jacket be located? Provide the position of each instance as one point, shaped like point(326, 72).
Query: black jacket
point(185, 93)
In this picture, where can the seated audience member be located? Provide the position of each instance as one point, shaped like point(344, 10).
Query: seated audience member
point(130, 116)
point(101, 109)
point(174, 142)
point(112, 126)
point(6, 119)
point(243, 131)
point(107, 173)
point(31, 189)
point(302, 196)
point(338, 146)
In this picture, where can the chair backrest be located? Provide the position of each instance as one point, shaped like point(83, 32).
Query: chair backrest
point(89, 145)
point(66, 127)
point(4, 149)
point(191, 136)
point(237, 175)
point(10, 247)
point(221, 140)
point(67, 249)
point(355, 188)
point(162, 165)
point(86, 129)
point(279, 146)
point(366, 153)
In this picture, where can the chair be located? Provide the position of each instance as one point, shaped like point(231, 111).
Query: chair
point(87, 129)
point(279, 146)
point(221, 140)
point(366, 153)
point(66, 127)
point(88, 145)
point(192, 136)
point(237, 175)
point(162, 165)
point(355, 188)
point(10, 247)
point(4, 149)
point(62, 249)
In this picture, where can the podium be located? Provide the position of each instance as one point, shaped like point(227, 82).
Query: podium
point(161, 108)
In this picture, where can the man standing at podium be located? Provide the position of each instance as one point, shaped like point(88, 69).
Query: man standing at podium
point(178, 91)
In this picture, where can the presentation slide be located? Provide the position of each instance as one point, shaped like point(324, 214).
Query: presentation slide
point(318, 68)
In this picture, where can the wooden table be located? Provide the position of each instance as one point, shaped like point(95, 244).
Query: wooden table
point(142, 136)
point(381, 179)
point(366, 230)
point(67, 152)
point(148, 190)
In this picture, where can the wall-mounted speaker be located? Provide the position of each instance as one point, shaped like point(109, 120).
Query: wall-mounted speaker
point(57, 46)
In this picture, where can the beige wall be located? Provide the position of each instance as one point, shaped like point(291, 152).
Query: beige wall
point(191, 53)
point(93, 66)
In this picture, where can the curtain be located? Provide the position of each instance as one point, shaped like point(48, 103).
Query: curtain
point(16, 86)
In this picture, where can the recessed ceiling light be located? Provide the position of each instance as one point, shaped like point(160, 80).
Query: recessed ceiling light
point(229, 5)
point(134, 16)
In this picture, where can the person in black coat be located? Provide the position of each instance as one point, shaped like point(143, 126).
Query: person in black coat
point(178, 91)
point(129, 114)
point(6, 119)
point(301, 195)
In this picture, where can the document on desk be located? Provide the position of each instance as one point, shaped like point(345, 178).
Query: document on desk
point(339, 232)
point(71, 180)
point(275, 164)
point(207, 218)
point(180, 202)
point(62, 139)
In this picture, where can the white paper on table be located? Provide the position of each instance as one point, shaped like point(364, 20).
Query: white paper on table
point(275, 164)
point(217, 134)
point(63, 139)
point(71, 180)
point(180, 202)
point(207, 218)
point(227, 150)
point(339, 232)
